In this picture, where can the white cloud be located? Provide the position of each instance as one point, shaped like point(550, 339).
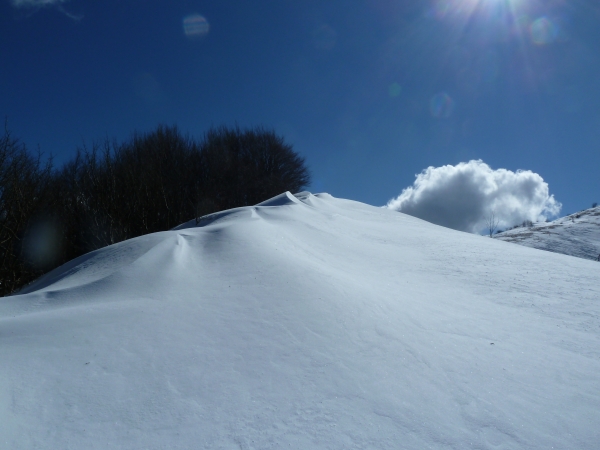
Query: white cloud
point(463, 196)
point(38, 4)
point(35, 3)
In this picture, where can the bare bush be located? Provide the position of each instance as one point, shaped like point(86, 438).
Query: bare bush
point(491, 222)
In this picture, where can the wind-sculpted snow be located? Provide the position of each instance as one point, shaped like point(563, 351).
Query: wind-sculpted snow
point(305, 322)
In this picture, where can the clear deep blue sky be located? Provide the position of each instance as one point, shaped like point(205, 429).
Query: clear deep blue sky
point(369, 92)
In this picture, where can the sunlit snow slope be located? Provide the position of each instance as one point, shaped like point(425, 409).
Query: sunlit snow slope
point(575, 235)
point(306, 322)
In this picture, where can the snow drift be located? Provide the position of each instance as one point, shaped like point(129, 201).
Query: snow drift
point(305, 322)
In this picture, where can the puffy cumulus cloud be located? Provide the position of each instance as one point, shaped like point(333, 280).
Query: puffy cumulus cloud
point(463, 196)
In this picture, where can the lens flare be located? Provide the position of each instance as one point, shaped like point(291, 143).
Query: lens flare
point(543, 31)
point(394, 90)
point(324, 37)
point(195, 26)
point(441, 106)
point(441, 8)
point(146, 87)
point(489, 66)
point(42, 244)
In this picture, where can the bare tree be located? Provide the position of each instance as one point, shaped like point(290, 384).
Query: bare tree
point(245, 167)
point(116, 191)
point(24, 182)
point(491, 222)
point(159, 179)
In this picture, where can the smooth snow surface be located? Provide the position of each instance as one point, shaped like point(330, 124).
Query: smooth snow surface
point(307, 322)
point(575, 235)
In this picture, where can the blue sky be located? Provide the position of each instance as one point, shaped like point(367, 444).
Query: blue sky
point(370, 92)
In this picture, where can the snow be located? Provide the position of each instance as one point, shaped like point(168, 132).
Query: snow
point(576, 235)
point(305, 322)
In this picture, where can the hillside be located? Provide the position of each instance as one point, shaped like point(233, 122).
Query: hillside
point(305, 322)
point(576, 235)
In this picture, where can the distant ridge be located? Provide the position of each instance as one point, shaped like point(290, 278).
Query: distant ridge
point(577, 235)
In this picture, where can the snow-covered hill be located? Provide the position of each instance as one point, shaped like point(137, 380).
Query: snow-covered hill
point(575, 235)
point(306, 322)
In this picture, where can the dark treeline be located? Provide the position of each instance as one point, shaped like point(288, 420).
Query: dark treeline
point(116, 191)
